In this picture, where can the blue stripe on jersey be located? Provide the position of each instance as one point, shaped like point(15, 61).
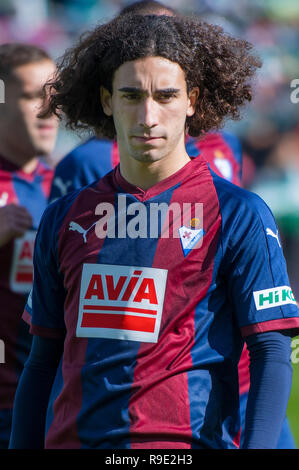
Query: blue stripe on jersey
point(216, 349)
point(30, 194)
point(55, 391)
point(115, 360)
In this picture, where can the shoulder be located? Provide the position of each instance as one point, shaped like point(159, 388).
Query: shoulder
point(55, 212)
point(241, 208)
point(235, 194)
point(87, 152)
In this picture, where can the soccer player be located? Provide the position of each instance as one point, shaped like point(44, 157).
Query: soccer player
point(94, 158)
point(25, 183)
point(138, 332)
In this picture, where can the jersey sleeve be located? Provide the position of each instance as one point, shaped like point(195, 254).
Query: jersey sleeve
point(64, 179)
point(256, 271)
point(85, 164)
point(44, 310)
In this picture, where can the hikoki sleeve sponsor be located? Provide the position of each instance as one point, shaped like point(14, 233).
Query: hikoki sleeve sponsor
point(274, 297)
point(121, 302)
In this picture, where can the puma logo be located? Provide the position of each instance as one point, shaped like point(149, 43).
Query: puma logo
point(61, 185)
point(77, 228)
point(274, 235)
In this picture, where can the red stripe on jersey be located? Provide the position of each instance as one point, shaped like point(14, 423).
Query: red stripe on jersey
point(243, 370)
point(114, 155)
point(164, 399)
point(116, 321)
point(271, 325)
point(236, 439)
point(47, 178)
point(120, 309)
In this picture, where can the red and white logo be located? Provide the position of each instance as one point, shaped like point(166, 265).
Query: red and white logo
point(121, 302)
point(21, 273)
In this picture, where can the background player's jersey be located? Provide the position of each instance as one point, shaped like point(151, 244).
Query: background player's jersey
point(16, 268)
point(153, 326)
point(223, 152)
point(94, 158)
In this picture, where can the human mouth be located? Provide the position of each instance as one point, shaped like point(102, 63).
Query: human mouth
point(46, 128)
point(146, 139)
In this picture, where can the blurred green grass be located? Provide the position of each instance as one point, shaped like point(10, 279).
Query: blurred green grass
point(293, 406)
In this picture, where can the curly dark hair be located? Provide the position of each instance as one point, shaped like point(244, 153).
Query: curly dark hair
point(220, 65)
point(147, 7)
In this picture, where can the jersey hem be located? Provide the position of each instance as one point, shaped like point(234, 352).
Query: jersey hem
point(272, 325)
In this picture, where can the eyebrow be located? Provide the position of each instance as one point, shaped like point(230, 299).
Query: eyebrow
point(138, 90)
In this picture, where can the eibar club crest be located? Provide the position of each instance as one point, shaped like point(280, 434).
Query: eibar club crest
point(191, 237)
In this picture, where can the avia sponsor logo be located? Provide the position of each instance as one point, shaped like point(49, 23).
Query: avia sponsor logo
point(274, 297)
point(121, 302)
point(21, 274)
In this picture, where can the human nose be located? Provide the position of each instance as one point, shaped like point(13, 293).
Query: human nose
point(148, 113)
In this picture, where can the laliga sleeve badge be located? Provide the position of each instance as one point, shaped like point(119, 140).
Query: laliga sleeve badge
point(191, 237)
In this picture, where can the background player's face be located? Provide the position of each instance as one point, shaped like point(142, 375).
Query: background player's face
point(149, 105)
point(22, 133)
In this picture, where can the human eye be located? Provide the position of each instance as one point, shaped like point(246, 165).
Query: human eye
point(32, 95)
point(166, 96)
point(131, 96)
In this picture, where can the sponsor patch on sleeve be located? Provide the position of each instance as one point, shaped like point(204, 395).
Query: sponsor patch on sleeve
point(121, 302)
point(273, 297)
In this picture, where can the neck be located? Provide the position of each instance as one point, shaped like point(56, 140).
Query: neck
point(147, 174)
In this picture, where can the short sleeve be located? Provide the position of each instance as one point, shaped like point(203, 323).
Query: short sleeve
point(44, 310)
point(256, 271)
point(63, 180)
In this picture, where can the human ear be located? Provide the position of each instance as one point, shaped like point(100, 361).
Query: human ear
point(193, 96)
point(106, 101)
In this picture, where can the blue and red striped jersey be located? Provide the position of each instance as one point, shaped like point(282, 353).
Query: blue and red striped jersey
point(154, 324)
point(94, 158)
point(16, 268)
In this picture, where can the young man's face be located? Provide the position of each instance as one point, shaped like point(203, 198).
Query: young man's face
point(149, 105)
point(22, 133)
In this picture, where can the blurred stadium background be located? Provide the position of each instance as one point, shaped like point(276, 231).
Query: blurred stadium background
point(269, 131)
